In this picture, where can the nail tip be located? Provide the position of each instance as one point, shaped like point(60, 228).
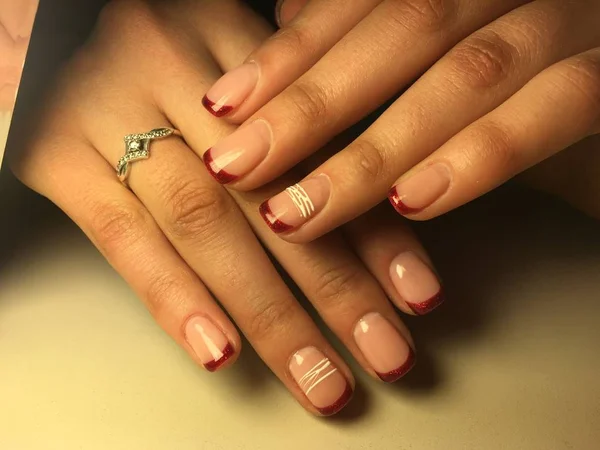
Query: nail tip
point(209, 105)
point(399, 205)
point(396, 374)
point(339, 404)
point(428, 305)
point(213, 365)
point(276, 225)
point(221, 175)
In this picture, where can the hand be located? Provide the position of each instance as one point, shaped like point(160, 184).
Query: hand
point(178, 238)
point(506, 84)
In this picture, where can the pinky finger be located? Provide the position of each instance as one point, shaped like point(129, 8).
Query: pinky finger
point(85, 187)
point(556, 109)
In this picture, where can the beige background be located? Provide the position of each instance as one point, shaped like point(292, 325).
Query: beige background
point(510, 362)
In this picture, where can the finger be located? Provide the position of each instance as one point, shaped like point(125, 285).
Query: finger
point(251, 30)
point(284, 57)
point(286, 10)
point(472, 79)
point(396, 258)
point(558, 108)
point(125, 233)
point(193, 213)
point(345, 295)
point(325, 101)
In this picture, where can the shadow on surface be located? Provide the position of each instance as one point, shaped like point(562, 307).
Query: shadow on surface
point(25, 216)
point(478, 250)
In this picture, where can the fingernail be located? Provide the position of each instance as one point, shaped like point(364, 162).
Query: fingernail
point(416, 283)
point(322, 383)
point(208, 342)
point(383, 347)
point(239, 153)
point(297, 204)
point(231, 90)
point(420, 190)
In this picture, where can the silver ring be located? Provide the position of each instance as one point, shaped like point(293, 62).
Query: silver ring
point(137, 147)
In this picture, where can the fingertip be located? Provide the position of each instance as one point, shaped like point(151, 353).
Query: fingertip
point(287, 10)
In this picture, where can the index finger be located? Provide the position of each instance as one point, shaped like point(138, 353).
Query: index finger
point(283, 58)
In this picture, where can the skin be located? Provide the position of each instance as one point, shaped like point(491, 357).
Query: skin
point(500, 88)
point(178, 238)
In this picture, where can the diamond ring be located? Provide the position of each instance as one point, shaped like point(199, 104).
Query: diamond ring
point(137, 147)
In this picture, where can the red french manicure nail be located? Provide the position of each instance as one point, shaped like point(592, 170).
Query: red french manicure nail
point(239, 153)
point(320, 380)
point(385, 349)
point(399, 372)
point(421, 190)
point(296, 205)
point(208, 341)
point(416, 283)
point(274, 223)
point(231, 90)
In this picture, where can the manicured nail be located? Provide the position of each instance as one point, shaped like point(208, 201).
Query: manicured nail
point(416, 283)
point(208, 342)
point(231, 90)
point(297, 204)
point(322, 383)
point(239, 153)
point(420, 190)
point(388, 353)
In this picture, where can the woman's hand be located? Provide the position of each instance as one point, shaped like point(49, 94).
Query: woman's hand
point(181, 241)
point(502, 85)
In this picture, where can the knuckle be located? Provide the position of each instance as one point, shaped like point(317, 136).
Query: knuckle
point(583, 74)
point(195, 209)
point(496, 146)
point(368, 160)
point(164, 292)
point(295, 41)
point(308, 100)
point(269, 318)
point(483, 61)
point(334, 284)
point(422, 15)
point(118, 225)
point(117, 33)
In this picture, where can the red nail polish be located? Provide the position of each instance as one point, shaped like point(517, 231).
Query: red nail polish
point(218, 174)
point(212, 108)
point(214, 365)
point(398, 205)
point(428, 305)
point(271, 219)
point(339, 403)
point(398, 373)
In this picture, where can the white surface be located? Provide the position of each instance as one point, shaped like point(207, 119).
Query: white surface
point(511, 362)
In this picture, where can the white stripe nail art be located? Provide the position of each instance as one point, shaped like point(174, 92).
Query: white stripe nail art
point(305, 206)
point(316, 375)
